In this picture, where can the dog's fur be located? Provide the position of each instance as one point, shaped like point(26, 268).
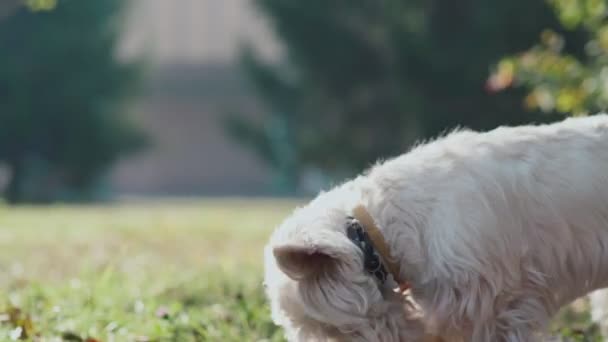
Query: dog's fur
point(495, 231)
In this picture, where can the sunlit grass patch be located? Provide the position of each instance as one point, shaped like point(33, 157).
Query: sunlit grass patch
point(182, 271)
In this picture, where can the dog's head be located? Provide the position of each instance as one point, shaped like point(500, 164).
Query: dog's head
point(317, 283)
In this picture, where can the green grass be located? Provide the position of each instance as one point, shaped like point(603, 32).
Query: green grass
point(175, 271)
point(153, 272)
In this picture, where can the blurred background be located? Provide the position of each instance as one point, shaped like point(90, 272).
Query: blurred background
point(148, 147)
point(106, 99)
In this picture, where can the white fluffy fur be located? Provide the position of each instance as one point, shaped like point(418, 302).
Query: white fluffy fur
point(496, 231)
point(599, 310)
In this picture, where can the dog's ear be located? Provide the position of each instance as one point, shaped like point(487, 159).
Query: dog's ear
point(300, 261)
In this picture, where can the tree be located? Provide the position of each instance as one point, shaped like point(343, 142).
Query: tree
point(558, 80)
point(62, 97)
point(361, 80)
point(8, 7)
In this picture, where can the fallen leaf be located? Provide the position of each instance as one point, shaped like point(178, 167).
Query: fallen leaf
point(24, 327)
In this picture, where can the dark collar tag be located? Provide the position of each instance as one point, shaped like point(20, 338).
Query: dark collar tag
point(371, 260)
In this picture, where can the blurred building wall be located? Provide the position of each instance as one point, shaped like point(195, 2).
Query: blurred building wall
point(191, 50)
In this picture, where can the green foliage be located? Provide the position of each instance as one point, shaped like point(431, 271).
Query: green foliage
point(361, 80)
point(41, 5)
point(62, 94)
point(557, 79)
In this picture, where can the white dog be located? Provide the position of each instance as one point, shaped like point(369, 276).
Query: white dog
point(493, 232)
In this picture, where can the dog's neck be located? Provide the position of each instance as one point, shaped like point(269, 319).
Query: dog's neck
point(368, 224)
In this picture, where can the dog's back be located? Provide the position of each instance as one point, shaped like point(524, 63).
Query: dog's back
point(493, 230)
